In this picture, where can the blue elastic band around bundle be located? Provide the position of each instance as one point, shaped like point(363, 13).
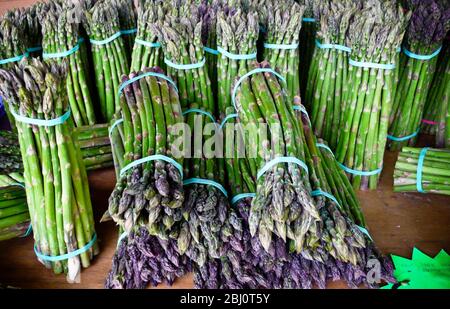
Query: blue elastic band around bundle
point(129, 82)
point(281, 46)
point(210, 50)
point(248, 74)
point(121, 237)
point(227, 118)
point(115, 36)
point(242, 196)
point(365, 231)
point(309, 20)
point(333, 46)
point(42, 122)
point(34, 49)
point(18, 184)
point(422, 57)
point(114, 125)
point(62, 54)
point(404, 138)
point(302, 109)
point(372, 65)
point(207, 182)
point(419, 172)
point(129, 31)
point(326, 194)
point(14, 59)
point(320, 145)
point(148, 44)
point(236, 56)
point(199, 111)
point(28, 231)
point(67, 255)
point(280, 160)
point(360, 173)
point(152, 158)
point(190, 66)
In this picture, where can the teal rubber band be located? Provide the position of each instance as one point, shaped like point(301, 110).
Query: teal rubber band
point(42, 122)
point(129, 31)
point(121, 237)
point(326, 194)
point(199, 111)
point(419, 172)
point(309, 20)
point(280, 160)
point(360, 173)
point(114, 125)
point(14, 59)
point(152, 158)
point(28, 231)
point(227, 118)
point(248, 74)
point(190, 66)
point(365, 231)
point(115, 36)
point(320, 145)
point(404, 138)
point(280, 46)
point(236, 56)
point(128, 82)
point(62, 54)
point(302, 109)
point(242, 196)
point(372, 65)
point(148, 44)
point(421, 57)
point(18, 184)
point(333, 46)
point(34, 49)
point(67, 255)
point(207, 182)
point(211, 50)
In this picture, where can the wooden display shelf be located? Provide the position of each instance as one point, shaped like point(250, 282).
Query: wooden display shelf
point(397, 223)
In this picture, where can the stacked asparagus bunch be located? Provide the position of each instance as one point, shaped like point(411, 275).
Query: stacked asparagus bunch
point(61, 40)
point(55, 177)
point(375, 35)
point(109, 54)
point(435, 171)
point(429, 24)
point(128, 23)
point(14, 216)
point(95, 146)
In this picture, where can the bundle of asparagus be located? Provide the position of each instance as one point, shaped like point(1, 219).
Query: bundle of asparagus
point(95, 146)
point(422, 170)
point(429, 24)
point(128, 23)
point(109, 54)
point(150, 193)
point(61, 40)
point(329, 68)
point(375, 35)
point(55, 178)
point(14, 216)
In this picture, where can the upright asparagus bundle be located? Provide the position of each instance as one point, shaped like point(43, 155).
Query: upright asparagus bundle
point(429, 24)
point(128, 23)
point(95, 146)
point(374, 37)
point(55, 178)
point(109, 55)
point(14, 216)
point(422, 170)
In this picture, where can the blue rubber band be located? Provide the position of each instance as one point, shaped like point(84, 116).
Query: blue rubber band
point(128, 82)
point(18, 184)
point(115, 36)
point(34, 49)
point(199, 111)
point(372, 65)
point(61, 54)
point(404, 138)
point(309, 20)
point(152, 158)
point(328, 195)
point(114, 125)
point(255, 71)
point(67, 255)
point(190, 66)
point(333, 46)
point(365, 231)
point(229, 117)
point(148, 44)
point(421, 57)
point(236, 56)
point(207, 182)
point(211, 50)
point(302, 109)
point(280, 160)
point(129, 31)
point(121, 237)
point(242, 196)
point(422, 155)
point(28, 231)
point(360, 173)
point(14, 59)
point(280, 46)
point(42, 122)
